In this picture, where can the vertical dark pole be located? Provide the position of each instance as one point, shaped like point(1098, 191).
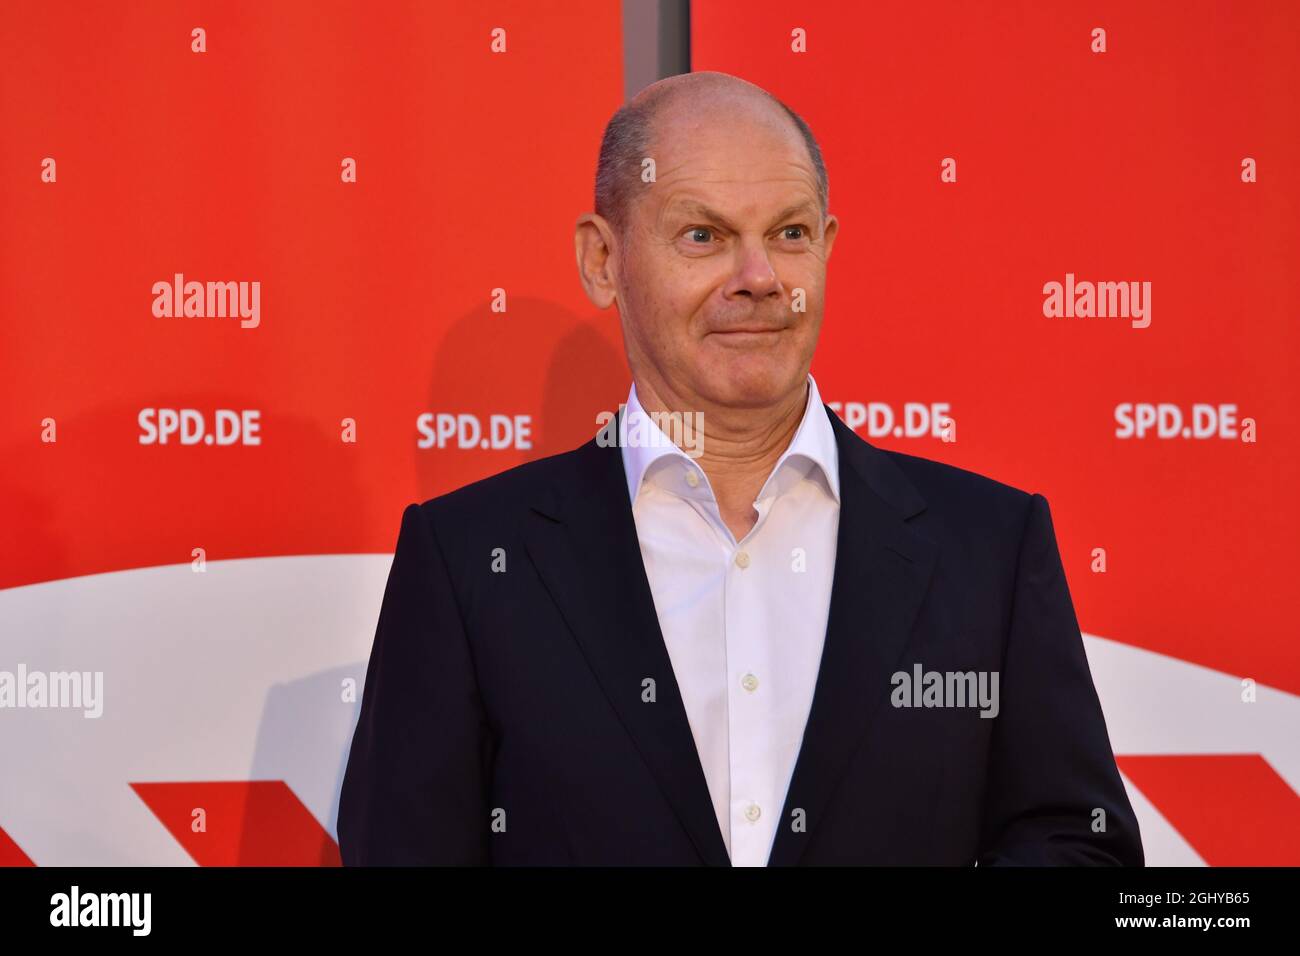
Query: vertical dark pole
point(656, 42)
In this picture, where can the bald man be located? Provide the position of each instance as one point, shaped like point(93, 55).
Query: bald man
point(727, 630)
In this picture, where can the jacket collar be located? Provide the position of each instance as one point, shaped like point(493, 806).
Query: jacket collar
point(646, 447)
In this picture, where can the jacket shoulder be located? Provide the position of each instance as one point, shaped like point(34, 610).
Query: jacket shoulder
point(964, 498)
point(503, 496)
point(941, 478)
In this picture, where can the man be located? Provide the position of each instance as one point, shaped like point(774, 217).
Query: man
point(767, 642)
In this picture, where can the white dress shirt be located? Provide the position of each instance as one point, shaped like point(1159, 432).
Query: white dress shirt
point(744, 621)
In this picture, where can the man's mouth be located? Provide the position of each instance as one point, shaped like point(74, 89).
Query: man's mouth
point(750, 330)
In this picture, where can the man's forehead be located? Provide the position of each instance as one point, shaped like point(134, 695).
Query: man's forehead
point(687, 120)
point(779, 205)
point(744, 183)
point(740, 158)
point(716, 156)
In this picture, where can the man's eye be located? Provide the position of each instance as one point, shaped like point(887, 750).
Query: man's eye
point(803, 233)
point(708, 233)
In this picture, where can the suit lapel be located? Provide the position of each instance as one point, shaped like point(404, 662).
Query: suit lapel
point(582, 539)
point(882, 569)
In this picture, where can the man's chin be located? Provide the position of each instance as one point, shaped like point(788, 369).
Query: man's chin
point(749, 383)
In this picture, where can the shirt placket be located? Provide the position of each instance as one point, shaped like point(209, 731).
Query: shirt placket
point(749, 718)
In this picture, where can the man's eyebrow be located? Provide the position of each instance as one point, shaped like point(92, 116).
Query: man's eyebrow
point(692, 208)
point(801, 207)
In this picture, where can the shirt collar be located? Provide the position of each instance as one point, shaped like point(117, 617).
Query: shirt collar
point(650, 455)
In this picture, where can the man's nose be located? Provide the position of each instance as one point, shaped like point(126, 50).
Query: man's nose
point(753, 275)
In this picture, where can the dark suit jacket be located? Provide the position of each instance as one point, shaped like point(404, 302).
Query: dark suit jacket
point(503, 719)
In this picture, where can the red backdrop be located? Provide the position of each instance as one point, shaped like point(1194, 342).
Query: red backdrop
point(472, 165)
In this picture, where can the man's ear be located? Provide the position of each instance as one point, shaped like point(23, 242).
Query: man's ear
point(594, 243)
point(829, 232)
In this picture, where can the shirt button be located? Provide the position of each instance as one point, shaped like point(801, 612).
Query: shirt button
point(742, 558)
point(749, 682)
point(692, 478)
point(752, 812)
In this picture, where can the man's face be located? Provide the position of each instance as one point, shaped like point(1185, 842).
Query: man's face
point(723, 267)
